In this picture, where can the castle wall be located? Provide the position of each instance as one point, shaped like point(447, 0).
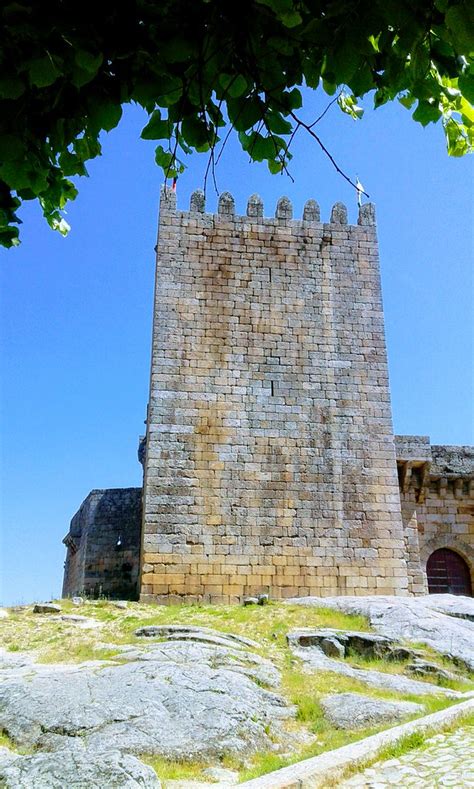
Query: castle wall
point(103, 545)
point(446, 516)
point(437, 502)
point(270, 462)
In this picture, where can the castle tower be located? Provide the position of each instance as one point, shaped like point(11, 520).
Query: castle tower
point(270, 461)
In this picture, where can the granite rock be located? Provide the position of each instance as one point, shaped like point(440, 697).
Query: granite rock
point(356, 711)
point(175, 699)
point(76, 768)
point(413, 619)
point(46, 608)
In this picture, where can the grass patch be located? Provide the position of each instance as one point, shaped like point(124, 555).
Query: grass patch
point(167, 770)
point(77, 652)
point(7, 742)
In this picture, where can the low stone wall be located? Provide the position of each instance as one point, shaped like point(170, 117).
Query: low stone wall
point(321, 771)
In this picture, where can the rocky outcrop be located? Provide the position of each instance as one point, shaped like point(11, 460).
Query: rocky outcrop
point(440, 621)
point(356, 711)
point(75, 768)
point(181, 700)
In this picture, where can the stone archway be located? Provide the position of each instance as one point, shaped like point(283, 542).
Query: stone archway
point(448, 572)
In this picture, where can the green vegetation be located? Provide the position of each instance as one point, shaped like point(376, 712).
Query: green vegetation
point(204, 69)
point(309, 734)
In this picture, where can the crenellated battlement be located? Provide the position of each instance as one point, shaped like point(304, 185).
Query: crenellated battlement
point(255, 209)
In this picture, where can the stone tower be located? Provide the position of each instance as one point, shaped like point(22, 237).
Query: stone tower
point(270, 460)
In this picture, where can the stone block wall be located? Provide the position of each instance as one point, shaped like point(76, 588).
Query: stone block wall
point(270, 462)
point(103, 545)
point(437, 502)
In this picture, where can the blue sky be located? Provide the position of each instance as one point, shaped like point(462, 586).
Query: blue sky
point(76, 312)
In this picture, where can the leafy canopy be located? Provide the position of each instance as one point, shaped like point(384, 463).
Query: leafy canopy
point(204, 67)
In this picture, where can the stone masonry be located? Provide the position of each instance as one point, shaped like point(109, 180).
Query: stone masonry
point(103, 545)
point(437, 500)
point(270, 460)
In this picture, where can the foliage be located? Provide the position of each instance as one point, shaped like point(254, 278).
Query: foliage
point(206, 67)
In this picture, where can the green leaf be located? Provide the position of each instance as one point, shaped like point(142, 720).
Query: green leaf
point(195, 132)
point(291, 19)
point(9, 237)
point(234, 86)
point(329, 87)
point(281, 45)
point(407, 101)
point(71, 164)
point(11, 87)
point(275, 166)
point(11, 148)
point(42, 72)
point(466, 86)
point(245, 112)
point(292, 100)
point(420, 61)
point(460, 20)
point(88, 61)
point(104, 114)
point(156, 128)
point(237, 87)
point(170, 90)
point(177, 50)
point(277, 123)
point(426, 113)
point(362, 80)
point(163, 158)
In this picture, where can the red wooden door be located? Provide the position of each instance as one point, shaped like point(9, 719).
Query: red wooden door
point(448, 572)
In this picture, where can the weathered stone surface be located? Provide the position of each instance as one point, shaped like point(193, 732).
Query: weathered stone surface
point(356, 711)
point(410, 619)
point(3, 613)
point(221, 774)
point(46, 608)
point(226, 204)
point(250, 601)
point(270, 459)
point(423, 668)
point(452, 605)
point(332, 647)
point(339, 214)
point(103, 544)
point(77, 768)
point(445, 760)
point(198, 201)
point(398, 653)
point(76, 619)
point(179, 700)
point(354, 642)
point(77, 601)
point(284, 209)
point(195, 633)
point(315, 658)
point(122, 604)
point(311, 211)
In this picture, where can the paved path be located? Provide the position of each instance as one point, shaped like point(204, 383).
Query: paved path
point(447, 761)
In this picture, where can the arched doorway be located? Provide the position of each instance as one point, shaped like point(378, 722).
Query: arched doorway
point(448, 572)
